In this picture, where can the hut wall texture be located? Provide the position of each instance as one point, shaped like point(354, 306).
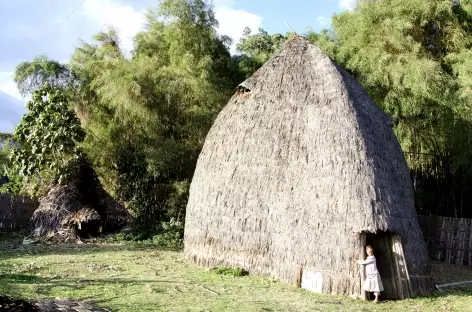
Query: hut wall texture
point(16, 211)
point(294, 170)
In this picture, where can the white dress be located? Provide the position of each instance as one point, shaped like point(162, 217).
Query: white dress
point(372, 282)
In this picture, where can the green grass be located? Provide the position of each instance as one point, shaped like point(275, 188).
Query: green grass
point(130, 278)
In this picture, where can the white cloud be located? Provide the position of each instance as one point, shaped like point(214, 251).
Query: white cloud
point(347, 4)
point(124, 18)
point(129, 21)
point(233, 21)
point(8, 86)
point(323, 20)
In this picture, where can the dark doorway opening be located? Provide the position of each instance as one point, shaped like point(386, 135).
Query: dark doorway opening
point(381, 242)
point(391, 264)
point(89, 229)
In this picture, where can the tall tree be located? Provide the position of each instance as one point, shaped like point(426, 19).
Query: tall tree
point(30, 76)
point(256, 49)
point(148, 116)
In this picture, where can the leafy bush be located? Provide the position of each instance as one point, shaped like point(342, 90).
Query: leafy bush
point(231, 271)
point(14, 185)
point(47, 138)
point(170, 236)
point(11, 181)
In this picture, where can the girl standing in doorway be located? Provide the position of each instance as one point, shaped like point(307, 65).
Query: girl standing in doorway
point(372, 282)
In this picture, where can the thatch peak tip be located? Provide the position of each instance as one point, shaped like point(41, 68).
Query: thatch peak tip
point(298, 37)
point(294, 42)
point(298, 40)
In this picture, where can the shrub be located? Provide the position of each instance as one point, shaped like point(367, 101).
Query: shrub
point(231, 271)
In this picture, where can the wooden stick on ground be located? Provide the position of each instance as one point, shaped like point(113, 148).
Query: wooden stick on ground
point(454, 284)
point(209, 290)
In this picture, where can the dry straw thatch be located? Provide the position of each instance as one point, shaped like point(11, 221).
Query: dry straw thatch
point(297, 168)
point(77, 208)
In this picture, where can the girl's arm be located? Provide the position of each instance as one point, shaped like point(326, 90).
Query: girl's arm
point(369, 260)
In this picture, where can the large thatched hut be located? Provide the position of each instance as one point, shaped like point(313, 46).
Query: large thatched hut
point(298, 173)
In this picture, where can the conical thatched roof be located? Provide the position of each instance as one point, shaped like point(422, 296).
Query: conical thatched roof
point(77, 208)
point(296, 166)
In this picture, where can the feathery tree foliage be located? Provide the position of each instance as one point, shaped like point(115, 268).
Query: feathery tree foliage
point(30, 76)
point(256, 49)
point(148, 116)
point(5, 136)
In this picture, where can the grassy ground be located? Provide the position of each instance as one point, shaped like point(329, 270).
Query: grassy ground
point(129, 278)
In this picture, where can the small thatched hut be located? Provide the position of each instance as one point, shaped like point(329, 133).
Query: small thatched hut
point(298, 173)
point(77, 208)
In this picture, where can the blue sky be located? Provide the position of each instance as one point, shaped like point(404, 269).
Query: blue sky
point(32, 27)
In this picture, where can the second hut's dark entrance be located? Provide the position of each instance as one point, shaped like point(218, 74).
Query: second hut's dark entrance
point(390, 263)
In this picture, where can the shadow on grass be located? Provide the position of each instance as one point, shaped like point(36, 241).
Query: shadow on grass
point(11, 247)
point(76, 283)
point(21, 278)
point(48, 287)
point(82, 283)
